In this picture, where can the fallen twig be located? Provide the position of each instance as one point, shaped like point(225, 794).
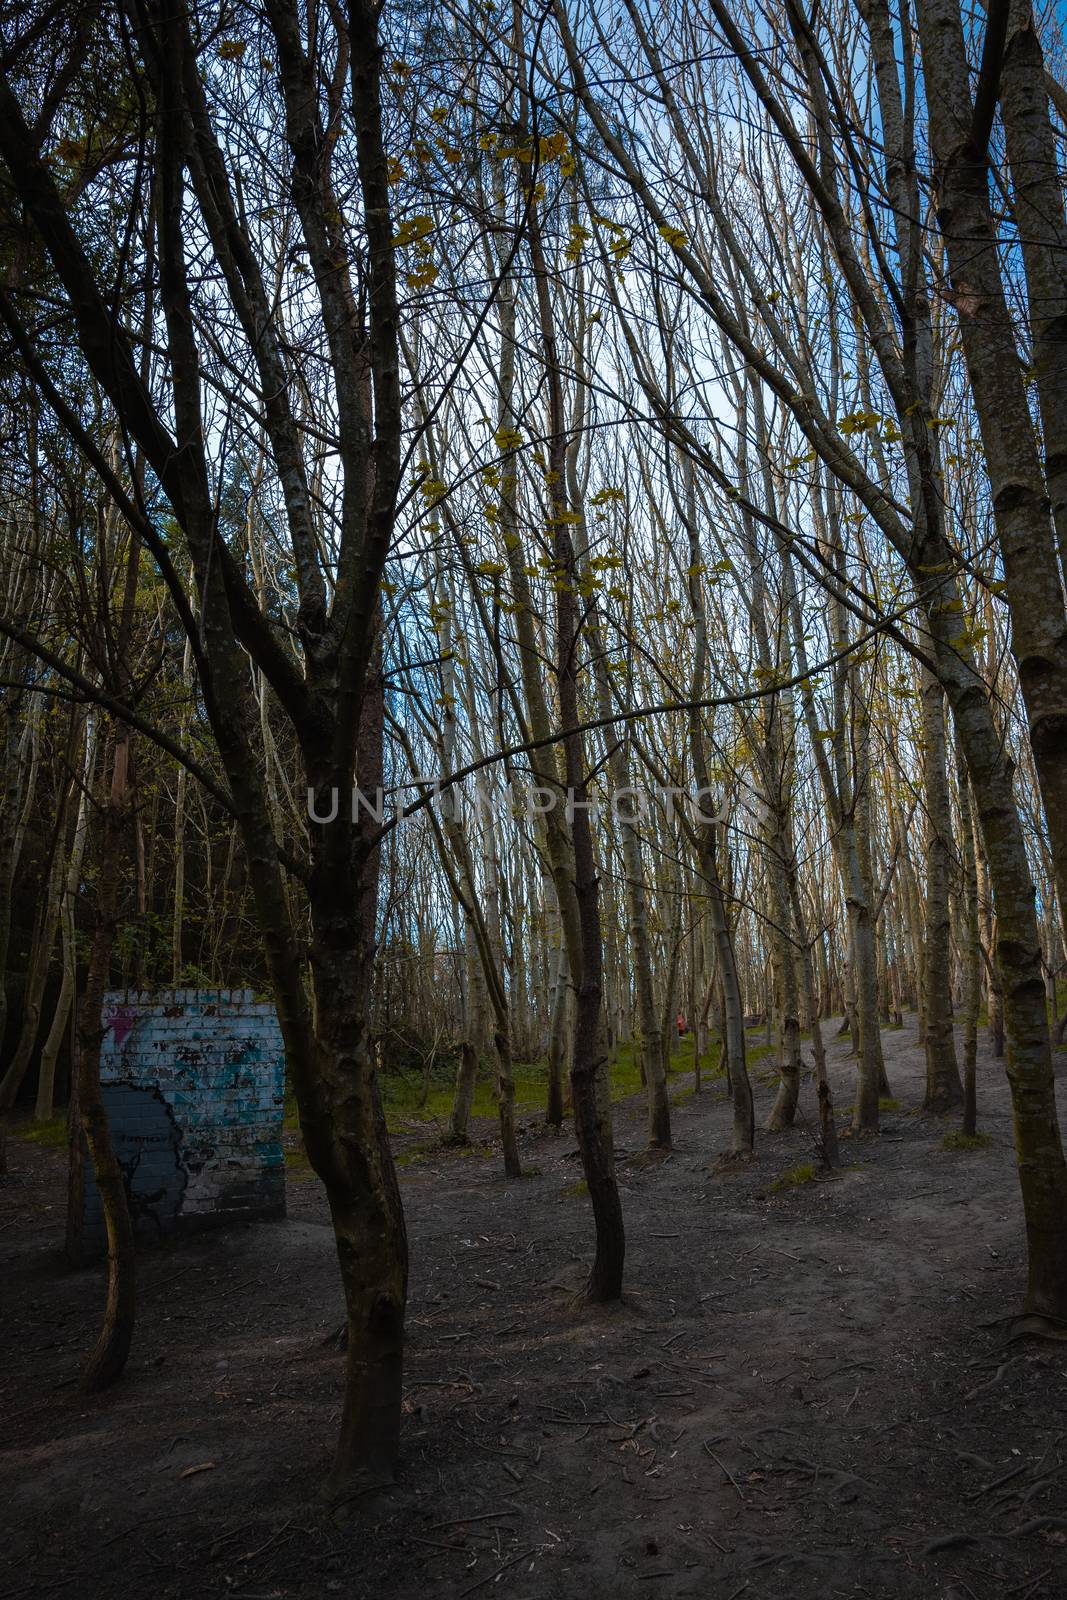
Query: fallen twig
point(987, 1488)
point(480, 1516)
point(726, 1473)
point(490, 1576)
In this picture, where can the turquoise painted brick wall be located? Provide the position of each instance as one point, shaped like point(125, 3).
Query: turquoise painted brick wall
point(194, 1086)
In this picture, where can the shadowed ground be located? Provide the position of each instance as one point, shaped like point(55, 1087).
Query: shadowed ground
point(808, 1392)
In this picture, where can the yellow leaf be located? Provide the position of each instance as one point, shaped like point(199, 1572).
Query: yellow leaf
point(413, 228)
point(858, 422)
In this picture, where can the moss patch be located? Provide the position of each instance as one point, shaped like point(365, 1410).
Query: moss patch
point(297, 1166)
point(437, 1149)
point(52, 1134)
point(966, 1141)
point(805, 1172)
point(290, 1114)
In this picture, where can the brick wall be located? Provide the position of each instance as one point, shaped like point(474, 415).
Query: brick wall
point(194, 1084)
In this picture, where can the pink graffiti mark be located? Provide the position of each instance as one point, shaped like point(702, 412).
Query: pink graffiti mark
point(122, 1022)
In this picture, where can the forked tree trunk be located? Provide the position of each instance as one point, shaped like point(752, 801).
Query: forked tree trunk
point(329, 1056)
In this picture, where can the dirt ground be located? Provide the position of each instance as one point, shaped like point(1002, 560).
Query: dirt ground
point(809, 1391)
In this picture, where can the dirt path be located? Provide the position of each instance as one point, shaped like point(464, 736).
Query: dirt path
point(806, 1392)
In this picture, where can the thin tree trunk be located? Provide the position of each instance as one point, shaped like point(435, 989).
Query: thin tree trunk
point(557, 1034)
point(971, 953)
point(743, 1132)
point(46, 1076)
point(943, 1087)
point(466, 1076)
point(590, 1087)
point(108, 1358)
point(1019, 492)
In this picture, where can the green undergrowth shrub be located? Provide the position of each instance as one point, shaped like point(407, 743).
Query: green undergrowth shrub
point(410, 1095)
point(417, 1083)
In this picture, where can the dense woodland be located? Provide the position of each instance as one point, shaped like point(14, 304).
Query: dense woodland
point(535, 537)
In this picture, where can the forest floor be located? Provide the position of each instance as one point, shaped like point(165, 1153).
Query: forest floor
point(809, 1390)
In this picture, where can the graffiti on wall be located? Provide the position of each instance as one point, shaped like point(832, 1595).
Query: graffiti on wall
point(193, 1083)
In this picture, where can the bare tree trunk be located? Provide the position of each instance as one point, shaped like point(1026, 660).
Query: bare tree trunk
point(1037, 194)
point(959, 137)
point(178, 909)
point(706, 852)
point(558, 1029)
point(47, 1072)
point(108, 1358)
point(987, 921)
point(779, 851)
point(40, 961)
point(466, 1076)
point(743, 1128)
point(827, 1126)
point(590, 1086)
point(20, 776)
point(943, 1087)
point(971, 954)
